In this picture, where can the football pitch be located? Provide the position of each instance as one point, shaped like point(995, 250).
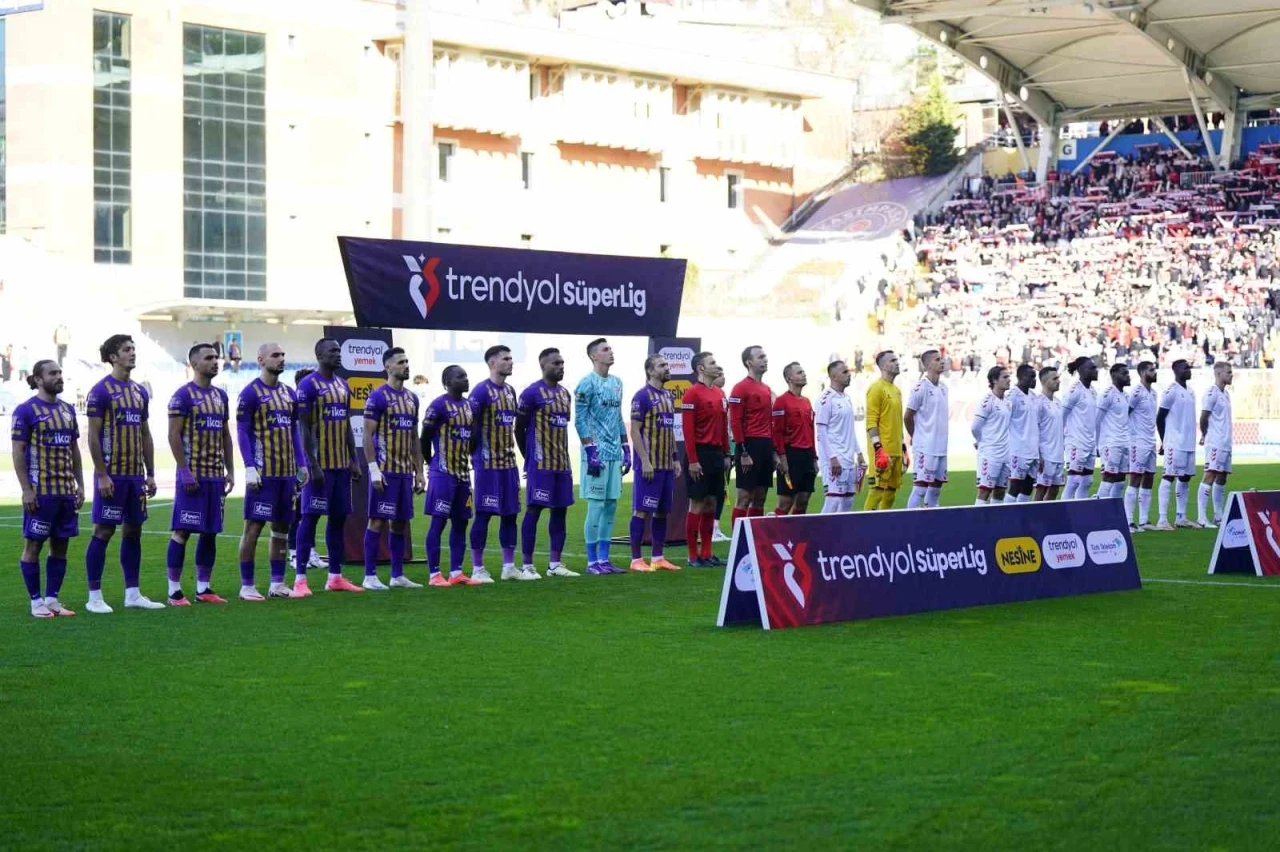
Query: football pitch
point(611, 713)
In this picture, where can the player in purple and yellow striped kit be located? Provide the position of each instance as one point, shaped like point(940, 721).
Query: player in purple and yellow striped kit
point(497, 478)
point(395, 469)
point(542, 428)
point(270, 446)
point(124, 468)
point(653, 424)
point(200, 439)
point(46, 458)
point(446, 445)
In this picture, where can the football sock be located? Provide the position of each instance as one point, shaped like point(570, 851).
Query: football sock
point(277, 570)
point(479, 537)
point(889, 498)
point(1009, 498)
point(293, 535)
point(916, 500)
point(1163, 505)
point(608, 509)
point(246, 573)
point(1144, 505)
point(457, 544)
point(591, 529)
point(95, 562)
point(305, 542)
point(932, 496)
point(1130, 501)
point(737, 513)
point(1024, 498)
point(395, 543)
point(636, 535)
point(1219, 500)
point(31, 577)
point(1183, 492)
point(432, 546)
point(755, 511)
point(706, 523)
point(371, 552)
point(335, 542)
point(593, 553)
point(830, 505)
point(176, 555)
point(1202, 501)
point(131, 560)
point(55, 569)
point(846, 503)
point(529, 533)
point(658, 539)
point(206, 556)
point(691, 523)
point(981, 502)
point(557, 531)
point(507, 538)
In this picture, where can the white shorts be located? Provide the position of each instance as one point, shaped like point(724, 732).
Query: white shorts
point(1218, 461)
point(1179, 462)
point(993, 471)
point(1115, 460)
point(846, 484)
point(1053, 473)
point(929, 468)
point(1142, 460)
point(1023, 467)
point(1079, 459)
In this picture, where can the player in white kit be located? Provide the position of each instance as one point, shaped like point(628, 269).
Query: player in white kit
point(1142, 448)
point(1215, 437)
point(990, 430)
point(1176, 425)
point(1080, 418)
point(1024, 437)
point(1113, 433)
point(840, 460)
point(927, 420)
point(1050, 429)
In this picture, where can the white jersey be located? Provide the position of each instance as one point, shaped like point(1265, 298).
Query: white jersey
point(834, 429)
point(991, 427)
point(1113, 419)
point(1049, 423)
point(1142, 419)
point(1180, 423)
point(1218, 404)
point(1024, 433)
point(929, 402)
point(1080, 416)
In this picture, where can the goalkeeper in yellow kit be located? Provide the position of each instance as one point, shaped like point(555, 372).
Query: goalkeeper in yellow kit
point(884, 435)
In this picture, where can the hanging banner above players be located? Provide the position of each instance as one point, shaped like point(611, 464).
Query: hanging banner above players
point(1249, 540)
point(404, 284)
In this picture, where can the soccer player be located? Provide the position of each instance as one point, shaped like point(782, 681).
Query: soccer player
point(200, 440)
point(394, 456)
point(1024, 437)
point(124, 472)
point(1050, 425)
point(751, 416)
point(717, 534)
point(1142, 448)
point(46, 458)
point(1080, 417)
point(606, 455)
point(542, 430)
point(927, 421)
point(446, 447)
point(270, 447)
point(653, 424)
point(990, 430)
point(706, 442)
point(836, 435)
point(1113, 433)
point(794, 444)
point(884, 434)
point(291, 553)
point(1215, 437)
point(324, 409)
point(497, 490)
point(1176, 426)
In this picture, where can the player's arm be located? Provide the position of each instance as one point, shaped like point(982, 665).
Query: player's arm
point(477, 409)
point(299, 450)
point(1104, 405)
point(979, 420)
point(430, 427)
point(737, 419)
point(637, 439)
point(1161, 416)
point(351, 444)
point(148, 446)
point(77, 469)
point(372, 414)
point(177, 422)
point(875, 410)
point(778, 432)
point(308, 423)
point(821, 438)
point(689, 423)
point(94, 407)
point(20, 438)
point(582, 400)
point(420, 482)
point(228, 455)
point(1204, 420)
point(524, 412)
point(246, 407)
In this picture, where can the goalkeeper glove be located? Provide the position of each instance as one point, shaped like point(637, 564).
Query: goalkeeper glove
point(594, 465)
point(882, 458)
point(626, 459)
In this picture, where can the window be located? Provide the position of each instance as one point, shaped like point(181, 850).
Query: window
point(112, 145)
point(2, 137)
point(526, 169)
point(664, 184)
point(734, 182)
point(224, 163)
point(444, 152)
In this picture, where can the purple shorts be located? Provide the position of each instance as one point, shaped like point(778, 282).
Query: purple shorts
point(330, 496)
point(128, 505)
point(200, 512)
point(552, 489)
point(497, 492)
point(654, 495)
point(54, 517)
point(272, 502)
point(448, 497)
point(395, 503)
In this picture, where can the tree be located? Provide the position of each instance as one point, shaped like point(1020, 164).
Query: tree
point(927, 133)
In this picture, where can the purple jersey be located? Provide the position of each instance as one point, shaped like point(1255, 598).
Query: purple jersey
point(266, 419)
point(493, 408)
point(50, 432)
point(547, 439)
point(655, 410)
point(448, 425)
point(331, 401)
point(394, 414)
point(203, 412)
point(123, 408)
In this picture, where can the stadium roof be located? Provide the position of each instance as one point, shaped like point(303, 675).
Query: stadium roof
point(1086, 60)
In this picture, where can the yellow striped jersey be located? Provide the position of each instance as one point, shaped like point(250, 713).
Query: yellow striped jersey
point(49, 430)
point(448, 424)
point(123, 408)
point(331, 401)
point(203, 412)
point(395, 419)
point(493, 409)
point(655, 410)
point(266, 421)
point(547, 441)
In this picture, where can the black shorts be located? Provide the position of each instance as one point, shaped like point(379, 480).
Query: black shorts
point(712, 482)
point(802, 465)
point(761, 473)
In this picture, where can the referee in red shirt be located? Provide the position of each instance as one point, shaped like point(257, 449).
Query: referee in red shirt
point(793, 442)
point(751, 414)
point(706, 446)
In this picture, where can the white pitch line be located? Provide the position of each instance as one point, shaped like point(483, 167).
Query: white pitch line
point(1209, 583)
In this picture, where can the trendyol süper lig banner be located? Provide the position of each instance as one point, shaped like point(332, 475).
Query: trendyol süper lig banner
point(405, 284)
point(810, 569)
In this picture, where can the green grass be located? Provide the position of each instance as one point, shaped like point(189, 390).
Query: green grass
point(610, 713)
